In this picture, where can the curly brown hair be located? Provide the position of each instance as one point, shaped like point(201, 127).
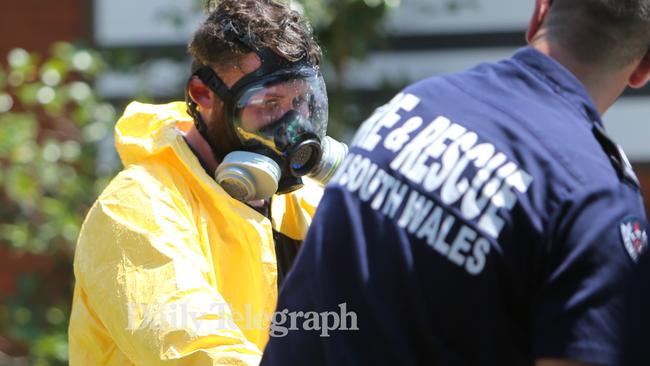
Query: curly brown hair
point(268, 23)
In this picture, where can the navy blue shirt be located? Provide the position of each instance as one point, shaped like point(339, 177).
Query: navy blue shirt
point(481, 218)
point(636, 351)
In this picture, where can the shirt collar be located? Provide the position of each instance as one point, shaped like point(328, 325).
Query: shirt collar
point(561, 80)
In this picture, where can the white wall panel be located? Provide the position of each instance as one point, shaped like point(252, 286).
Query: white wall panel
point(145, 22)
point(433, 16)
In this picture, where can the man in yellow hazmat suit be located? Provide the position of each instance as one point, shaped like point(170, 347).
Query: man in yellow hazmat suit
point(179, 260)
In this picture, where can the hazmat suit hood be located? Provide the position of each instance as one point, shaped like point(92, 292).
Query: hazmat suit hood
point(147, 129)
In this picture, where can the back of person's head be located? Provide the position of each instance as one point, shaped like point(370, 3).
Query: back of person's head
point(267, 23)
point(607, 33)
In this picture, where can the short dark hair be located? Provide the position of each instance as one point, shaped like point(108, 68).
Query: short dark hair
point(270, 24)
point(610, 33)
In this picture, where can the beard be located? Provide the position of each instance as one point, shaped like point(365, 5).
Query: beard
point(217, 134)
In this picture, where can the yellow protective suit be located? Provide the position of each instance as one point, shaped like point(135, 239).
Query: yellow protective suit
point(170, 270)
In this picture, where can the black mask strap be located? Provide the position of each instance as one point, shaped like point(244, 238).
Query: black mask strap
point(214, 82)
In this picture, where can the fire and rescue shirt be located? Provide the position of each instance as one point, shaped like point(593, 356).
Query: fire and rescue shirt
point(481, 218)
point(636, 329)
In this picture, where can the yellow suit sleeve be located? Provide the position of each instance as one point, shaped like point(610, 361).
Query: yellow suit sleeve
point(292, 213)
point(147, 277)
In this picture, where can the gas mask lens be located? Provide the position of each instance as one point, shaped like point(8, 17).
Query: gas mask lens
point(287, 115)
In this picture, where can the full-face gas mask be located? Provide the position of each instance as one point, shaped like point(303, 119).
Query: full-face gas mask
point(277, 118)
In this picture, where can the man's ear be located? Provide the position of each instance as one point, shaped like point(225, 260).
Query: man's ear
point(200, 93)
point(541, 10)
point(641, 74)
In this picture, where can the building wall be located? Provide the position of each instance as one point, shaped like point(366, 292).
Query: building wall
point(35, 24)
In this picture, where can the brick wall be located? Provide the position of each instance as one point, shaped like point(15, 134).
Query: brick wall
point(35, 24)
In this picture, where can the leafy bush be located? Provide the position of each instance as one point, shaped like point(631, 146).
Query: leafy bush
point(51, 170)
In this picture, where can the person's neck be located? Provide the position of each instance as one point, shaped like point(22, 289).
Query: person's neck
point(202, 148)
point(604, 87)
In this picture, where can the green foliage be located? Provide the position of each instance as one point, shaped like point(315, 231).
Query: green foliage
point(49, 131)
point(50, 124)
